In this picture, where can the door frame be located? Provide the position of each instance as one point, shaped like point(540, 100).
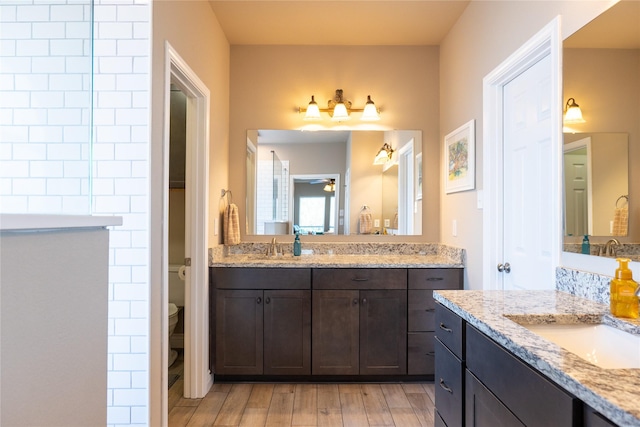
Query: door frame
point(197, 377)
point(547, 42)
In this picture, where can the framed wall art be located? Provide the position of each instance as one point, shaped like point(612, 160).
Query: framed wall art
point(460, 160)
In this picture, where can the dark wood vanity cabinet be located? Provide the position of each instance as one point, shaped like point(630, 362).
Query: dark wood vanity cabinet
point(358, 330)
point(325, 321)
point(262, 331)
point(480, 384)
point(421, 313)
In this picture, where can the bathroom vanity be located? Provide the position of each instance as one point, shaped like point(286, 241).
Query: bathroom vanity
point(493, 369)
point(327, 316)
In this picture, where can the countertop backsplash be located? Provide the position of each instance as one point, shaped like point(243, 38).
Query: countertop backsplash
point(583, 284)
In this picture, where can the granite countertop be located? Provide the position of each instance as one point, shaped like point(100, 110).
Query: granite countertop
point(341, 255)
point(337, 261)
point(612, 392)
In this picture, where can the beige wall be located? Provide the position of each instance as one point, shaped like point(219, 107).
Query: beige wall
point(484, 36)
point(268, 83)
point(194, 32)
point(606, 84)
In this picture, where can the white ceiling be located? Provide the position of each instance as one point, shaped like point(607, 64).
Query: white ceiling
point(337, 22)
point(308, 137)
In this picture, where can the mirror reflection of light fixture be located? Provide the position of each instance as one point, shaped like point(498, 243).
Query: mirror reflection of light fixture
point(384, 155)
point(572, 112)
point(330, 187)
point(340, 109)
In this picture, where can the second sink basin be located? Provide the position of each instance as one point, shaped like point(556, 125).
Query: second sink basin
point(602, 345)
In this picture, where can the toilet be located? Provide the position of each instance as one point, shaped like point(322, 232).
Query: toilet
point(173, 321)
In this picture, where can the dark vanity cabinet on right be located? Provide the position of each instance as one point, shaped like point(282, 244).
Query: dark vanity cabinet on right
point(478, 383)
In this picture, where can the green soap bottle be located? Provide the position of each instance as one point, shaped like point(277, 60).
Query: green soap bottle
point(297, 246)
point(623, 299)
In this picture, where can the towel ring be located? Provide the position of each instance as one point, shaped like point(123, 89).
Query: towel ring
point(228, 194)
point(624, 196)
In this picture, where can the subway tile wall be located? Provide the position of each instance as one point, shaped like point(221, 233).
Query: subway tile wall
point(45, 157)
point(45, 94)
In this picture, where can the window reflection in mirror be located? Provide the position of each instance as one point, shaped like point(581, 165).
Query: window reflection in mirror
point(290, 175)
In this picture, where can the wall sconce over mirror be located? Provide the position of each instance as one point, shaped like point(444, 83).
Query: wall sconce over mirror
point(572, 112)
point(384, 155)
point(340, 109)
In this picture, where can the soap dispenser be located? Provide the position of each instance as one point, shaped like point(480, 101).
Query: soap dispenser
point(586, 246)
point(297, 245)
point(623, 299)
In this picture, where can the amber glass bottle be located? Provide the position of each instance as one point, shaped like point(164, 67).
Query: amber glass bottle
point(624, 301)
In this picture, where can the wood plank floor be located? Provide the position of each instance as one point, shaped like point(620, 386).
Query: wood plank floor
point(302, 405)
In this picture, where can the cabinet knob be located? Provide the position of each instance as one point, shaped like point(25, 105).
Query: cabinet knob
point(355, 301)
point(258, 300)
point(359, 279)
point(430, 310)
point(364, 301)
point(434, 279)
point(267, 300)
point(430, 354)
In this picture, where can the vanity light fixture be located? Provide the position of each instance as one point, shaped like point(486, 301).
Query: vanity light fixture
point(330, 187)
point(572, 112)
point(339, 109)
point(384, 155)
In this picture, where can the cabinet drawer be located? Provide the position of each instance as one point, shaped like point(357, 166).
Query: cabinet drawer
point(448, 386)
point(449, 330)
point(420, 353)
point(541, 403)
point(435, 278)
point(421, 310)
point(261, 278)
point(359, 278)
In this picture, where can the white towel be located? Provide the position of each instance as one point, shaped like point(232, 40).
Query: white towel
point(231, 225)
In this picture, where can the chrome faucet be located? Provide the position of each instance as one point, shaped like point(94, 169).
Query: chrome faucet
point(273, 249)
point(610, 248)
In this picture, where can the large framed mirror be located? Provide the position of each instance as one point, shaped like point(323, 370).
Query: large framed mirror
point(326, 182)
point(601, 69)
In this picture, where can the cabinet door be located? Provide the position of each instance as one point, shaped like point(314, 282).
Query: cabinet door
point(287, 332)
point(335, 332)
point(383, 332)
point(239, 334)
point(483, 409)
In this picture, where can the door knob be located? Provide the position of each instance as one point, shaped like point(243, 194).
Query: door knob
point(506, 267)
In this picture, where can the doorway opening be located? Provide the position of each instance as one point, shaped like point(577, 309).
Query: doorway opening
point(197, 376)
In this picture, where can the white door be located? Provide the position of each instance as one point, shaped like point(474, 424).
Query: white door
point(577, 184)
point(522, 165)
point(527, 179)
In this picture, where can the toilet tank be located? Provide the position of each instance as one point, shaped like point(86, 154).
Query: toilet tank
point(176, 285)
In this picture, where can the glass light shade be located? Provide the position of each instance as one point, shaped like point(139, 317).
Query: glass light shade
point(330, 188)
point(370, 112)
point(340, 113)
point(313, 112)
point(384, 155)
point(573, 113)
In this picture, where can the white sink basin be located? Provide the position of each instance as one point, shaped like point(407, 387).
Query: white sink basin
point(602, 345)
